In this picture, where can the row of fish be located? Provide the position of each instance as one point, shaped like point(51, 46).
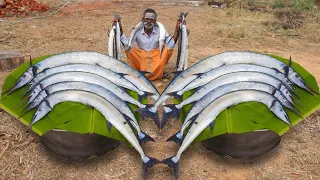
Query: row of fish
point(224, 80)
point(92, 79)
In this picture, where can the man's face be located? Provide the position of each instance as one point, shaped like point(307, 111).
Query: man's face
point(149, 20)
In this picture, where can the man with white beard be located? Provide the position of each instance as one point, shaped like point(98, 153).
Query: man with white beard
point(154, 46)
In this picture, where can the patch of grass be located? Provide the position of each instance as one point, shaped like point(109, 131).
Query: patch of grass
point(304, 4)
point(286, 18)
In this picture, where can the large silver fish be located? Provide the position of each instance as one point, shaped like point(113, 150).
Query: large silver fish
point(210, 63)
point(83, 77)
point(225, 89)
point(117, 39)
point(96, 89)
point(105, 73)
point(133, 35)
point(209, 114)
point(162, 36)
point(92, 58)
point(232, 78)
point(182, 58)
point(108, 110)
point(111, 42)
point(209, 76)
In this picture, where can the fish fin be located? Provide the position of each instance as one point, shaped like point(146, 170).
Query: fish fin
point(146, 94)
point(146, 113)
point(211, 125)
point(148, 164)
point(145, 138)
point(146, 72)
point(198, 74)
point(188, 32)
point(169, 111)
point(122, 74)
point(290, 62)
point(109, 126)
point(175, 138)
point(30, 62)
point(286, 71)
point(173, 165)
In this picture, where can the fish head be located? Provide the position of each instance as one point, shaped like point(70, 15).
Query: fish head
point(296, 79)
point(279, 95)
point(279, 111)
point(286, 93)
point(24, 78)
point(42, 110)
point(42, 95)
point(34, 93)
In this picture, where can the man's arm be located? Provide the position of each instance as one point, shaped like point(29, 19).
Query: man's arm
point(176, 31)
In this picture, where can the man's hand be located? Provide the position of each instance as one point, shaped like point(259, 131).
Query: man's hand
point(118, 19)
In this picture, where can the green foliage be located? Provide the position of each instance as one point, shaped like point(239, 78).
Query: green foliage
point(69, 116)
point(251, 116)
point(278, 4)
point(304, 4)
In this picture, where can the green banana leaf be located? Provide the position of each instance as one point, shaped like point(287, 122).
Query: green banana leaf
point(69, 116)
point(252, 116)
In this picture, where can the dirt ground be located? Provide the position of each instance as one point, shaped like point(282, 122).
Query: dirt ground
point(83, 26)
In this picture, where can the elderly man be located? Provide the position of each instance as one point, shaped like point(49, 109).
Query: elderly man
point(148, 56)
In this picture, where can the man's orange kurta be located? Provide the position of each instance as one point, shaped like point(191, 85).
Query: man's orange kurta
point(149, 61)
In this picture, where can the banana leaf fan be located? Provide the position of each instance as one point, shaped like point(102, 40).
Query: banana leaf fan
point(252, 116)
point(69, 116)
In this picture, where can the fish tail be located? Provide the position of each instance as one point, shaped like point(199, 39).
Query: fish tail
point(173, 162)
point(169, 111)
point(177, 138)
point(147, 113)
point(146, 94)
point(143, 138)
point(148, 162)
point(176, 95)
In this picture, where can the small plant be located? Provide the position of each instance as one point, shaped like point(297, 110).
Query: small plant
point(278, 4)
point(289, 18)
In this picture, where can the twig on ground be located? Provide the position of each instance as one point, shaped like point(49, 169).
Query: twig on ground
point(5, 149)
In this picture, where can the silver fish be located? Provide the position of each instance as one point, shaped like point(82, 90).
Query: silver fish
point(133, 35)
point(116, 78)
point(225, 58)
point(96, 89)
point(105, 107)
point(111, 42)
point(83, 77)
point(162, 36)
point(117, 39)
point(92, 58)
point(207, 77)
point(209, 114)
point(182, 58)
point(225, 89)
